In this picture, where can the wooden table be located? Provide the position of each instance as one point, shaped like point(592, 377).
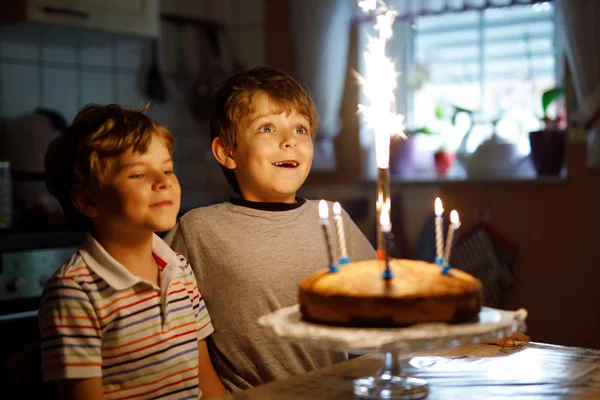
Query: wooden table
point(532, 371)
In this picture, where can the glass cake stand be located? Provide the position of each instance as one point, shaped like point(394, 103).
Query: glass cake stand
point(390, 382)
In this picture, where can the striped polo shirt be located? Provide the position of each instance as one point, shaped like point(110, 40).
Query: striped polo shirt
point(97, 319)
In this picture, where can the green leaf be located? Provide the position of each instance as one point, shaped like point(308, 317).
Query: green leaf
point(439, 112)
point(425, 130)
point(549, 96)
point(458, 110)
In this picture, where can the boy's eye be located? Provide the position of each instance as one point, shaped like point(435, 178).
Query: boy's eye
point(301, 130)
point(169, 172)
point(137, 176)
point(266, 129)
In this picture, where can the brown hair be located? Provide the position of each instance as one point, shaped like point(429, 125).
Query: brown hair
point(233, 102)
point(85, 155)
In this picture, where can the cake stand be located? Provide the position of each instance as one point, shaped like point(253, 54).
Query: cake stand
point(390, 382)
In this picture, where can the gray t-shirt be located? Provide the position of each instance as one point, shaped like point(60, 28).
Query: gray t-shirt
point(248, 263)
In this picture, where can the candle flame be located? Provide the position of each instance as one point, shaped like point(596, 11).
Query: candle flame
point(337, 208)
point(454, 220)
point(439, 208)
point(380, 83)
point(323, 210)
point(384, 218)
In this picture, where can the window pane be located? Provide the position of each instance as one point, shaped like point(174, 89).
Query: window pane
point(519, 47)
point(446, 21)
point(517, 66)
point(516, 30)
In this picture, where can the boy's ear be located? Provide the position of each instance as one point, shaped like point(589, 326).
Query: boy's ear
point(223, 154)
point(83, 203)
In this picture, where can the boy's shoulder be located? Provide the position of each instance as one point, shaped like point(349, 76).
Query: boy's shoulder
point(201, 213)
point(74, 270)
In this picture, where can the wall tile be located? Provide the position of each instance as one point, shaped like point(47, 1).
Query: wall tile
point(20, 48)
point(163, 113)
point(130, 89)
point(62, 50)
point(60, 91)
point(97, 87)
point(132, 54)
point(20, 89)
point(97, 49)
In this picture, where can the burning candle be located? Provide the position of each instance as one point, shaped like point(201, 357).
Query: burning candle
point(386, 229)
point(439, 234)
point(324, 222)
point(339, 224)
point(454, 225)
point(384, 219)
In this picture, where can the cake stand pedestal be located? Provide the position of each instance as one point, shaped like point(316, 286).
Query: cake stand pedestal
point(390, 382)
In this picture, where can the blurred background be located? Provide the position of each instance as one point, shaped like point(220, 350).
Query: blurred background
point(501, 104)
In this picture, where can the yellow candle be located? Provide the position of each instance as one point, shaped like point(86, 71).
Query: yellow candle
point(454, 225)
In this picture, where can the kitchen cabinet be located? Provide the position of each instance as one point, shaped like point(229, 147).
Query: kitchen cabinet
point(133, 17)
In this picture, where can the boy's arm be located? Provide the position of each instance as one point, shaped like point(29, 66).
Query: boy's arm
point(80, 389)
point(71, 339)
point(210, 384)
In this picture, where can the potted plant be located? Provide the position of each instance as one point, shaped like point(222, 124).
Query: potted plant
point(403, 152)
point(548, 144)
point(444, 158)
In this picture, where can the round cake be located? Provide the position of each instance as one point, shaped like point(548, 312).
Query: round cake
point(357, 295)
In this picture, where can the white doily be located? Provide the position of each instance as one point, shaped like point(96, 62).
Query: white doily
point(492, 323)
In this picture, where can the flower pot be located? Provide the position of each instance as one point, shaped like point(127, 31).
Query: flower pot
point(402, 156)
point(443, 160)
point(547, 150)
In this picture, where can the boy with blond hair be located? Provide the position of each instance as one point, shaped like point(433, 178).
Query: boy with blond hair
point(251, 253)
point(123, 317)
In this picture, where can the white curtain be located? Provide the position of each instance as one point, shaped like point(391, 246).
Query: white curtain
point(321, 31)
point(579, 22)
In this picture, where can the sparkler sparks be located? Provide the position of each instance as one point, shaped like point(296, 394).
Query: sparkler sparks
point(379, 83)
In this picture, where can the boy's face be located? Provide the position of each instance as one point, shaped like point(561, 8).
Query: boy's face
point(274, 153)
point(142, 194)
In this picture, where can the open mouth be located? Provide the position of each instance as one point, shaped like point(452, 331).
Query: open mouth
point(286, 164)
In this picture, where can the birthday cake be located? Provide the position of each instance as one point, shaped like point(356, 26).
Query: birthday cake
point(418, 292)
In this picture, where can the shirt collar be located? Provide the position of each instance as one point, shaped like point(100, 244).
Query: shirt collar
point(112, 271)
point(267, 206)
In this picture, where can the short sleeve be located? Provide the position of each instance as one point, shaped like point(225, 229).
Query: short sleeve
point(70, 332)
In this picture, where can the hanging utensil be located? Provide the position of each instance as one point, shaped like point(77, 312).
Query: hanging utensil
point(155, 87)
point(210, 77)
point(181, 74)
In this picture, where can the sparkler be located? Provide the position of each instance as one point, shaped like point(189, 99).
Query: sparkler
point(379, 85)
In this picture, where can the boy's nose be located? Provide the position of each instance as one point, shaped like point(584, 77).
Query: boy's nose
point(289, 141)
point(162, 181)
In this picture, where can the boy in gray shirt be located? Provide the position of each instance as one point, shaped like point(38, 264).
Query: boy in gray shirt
point(250, 254)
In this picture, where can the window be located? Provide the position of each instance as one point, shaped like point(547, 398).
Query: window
point(497, 62)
